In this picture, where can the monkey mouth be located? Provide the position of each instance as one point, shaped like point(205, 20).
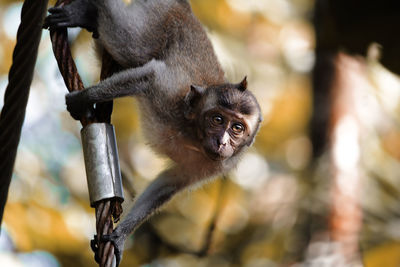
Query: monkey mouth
point(215, 156)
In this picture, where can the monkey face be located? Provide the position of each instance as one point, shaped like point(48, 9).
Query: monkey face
point(228, 117)
point(225, 132)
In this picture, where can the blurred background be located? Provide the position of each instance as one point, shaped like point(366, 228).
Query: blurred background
point(320, 186)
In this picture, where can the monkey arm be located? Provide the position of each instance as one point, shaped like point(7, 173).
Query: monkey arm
point(128, 82)
point(161, 190)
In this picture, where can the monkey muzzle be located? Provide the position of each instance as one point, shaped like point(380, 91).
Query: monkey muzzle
point(219, 152)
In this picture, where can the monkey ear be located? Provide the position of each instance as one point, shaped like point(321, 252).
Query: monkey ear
point(194, 94)
point(192, 98)
point(196, 90)
point(242, 86)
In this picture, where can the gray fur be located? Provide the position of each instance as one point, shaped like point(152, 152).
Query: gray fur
point(170, 65)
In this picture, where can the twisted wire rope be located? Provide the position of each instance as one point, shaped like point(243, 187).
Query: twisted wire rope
point(17, 92)
point(16, 98)
point(105, 210)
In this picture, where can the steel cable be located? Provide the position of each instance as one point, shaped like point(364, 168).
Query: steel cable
point(106, 209)
point(17, 92)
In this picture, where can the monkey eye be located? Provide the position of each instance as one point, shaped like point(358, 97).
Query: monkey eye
point(218, 120)
point(237, 128)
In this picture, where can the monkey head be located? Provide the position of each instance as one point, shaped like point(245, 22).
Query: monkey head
point(228, 117)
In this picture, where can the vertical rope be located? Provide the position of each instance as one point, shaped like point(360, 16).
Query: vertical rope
point(17, 91)
point(66, 64)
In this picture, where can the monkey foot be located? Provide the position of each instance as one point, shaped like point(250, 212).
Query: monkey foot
point(95, 248)
point(117, 243)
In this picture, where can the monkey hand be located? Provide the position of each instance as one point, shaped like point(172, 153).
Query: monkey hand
point(77, 107)
point(76, 14)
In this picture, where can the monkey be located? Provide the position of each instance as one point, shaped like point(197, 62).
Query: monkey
point(189, 111)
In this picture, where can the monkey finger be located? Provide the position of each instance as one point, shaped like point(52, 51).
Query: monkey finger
point(61, 25)
point(50, 25)
point(95, 248)
point(117, 252)
point(55, 9)
point(93, 244)
point(57, 15)
point(52, 22)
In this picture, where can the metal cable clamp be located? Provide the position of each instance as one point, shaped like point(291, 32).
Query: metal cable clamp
point(101, 161)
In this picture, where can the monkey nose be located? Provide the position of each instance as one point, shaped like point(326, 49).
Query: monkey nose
point(221, 144)
point(222, 141)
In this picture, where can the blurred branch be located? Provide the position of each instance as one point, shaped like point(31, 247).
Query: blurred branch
point(346, 214)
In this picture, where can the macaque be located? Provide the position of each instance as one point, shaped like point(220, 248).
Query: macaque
point(189, 111)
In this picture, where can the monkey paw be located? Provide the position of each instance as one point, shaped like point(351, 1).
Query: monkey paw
point(59, 17)
point(95, 248)
point(72, 15)
point(76, 107)
point(115, 239)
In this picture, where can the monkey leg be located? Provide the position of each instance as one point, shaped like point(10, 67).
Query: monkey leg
point(135, 34)
point(80, 13)
point(161, 190)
